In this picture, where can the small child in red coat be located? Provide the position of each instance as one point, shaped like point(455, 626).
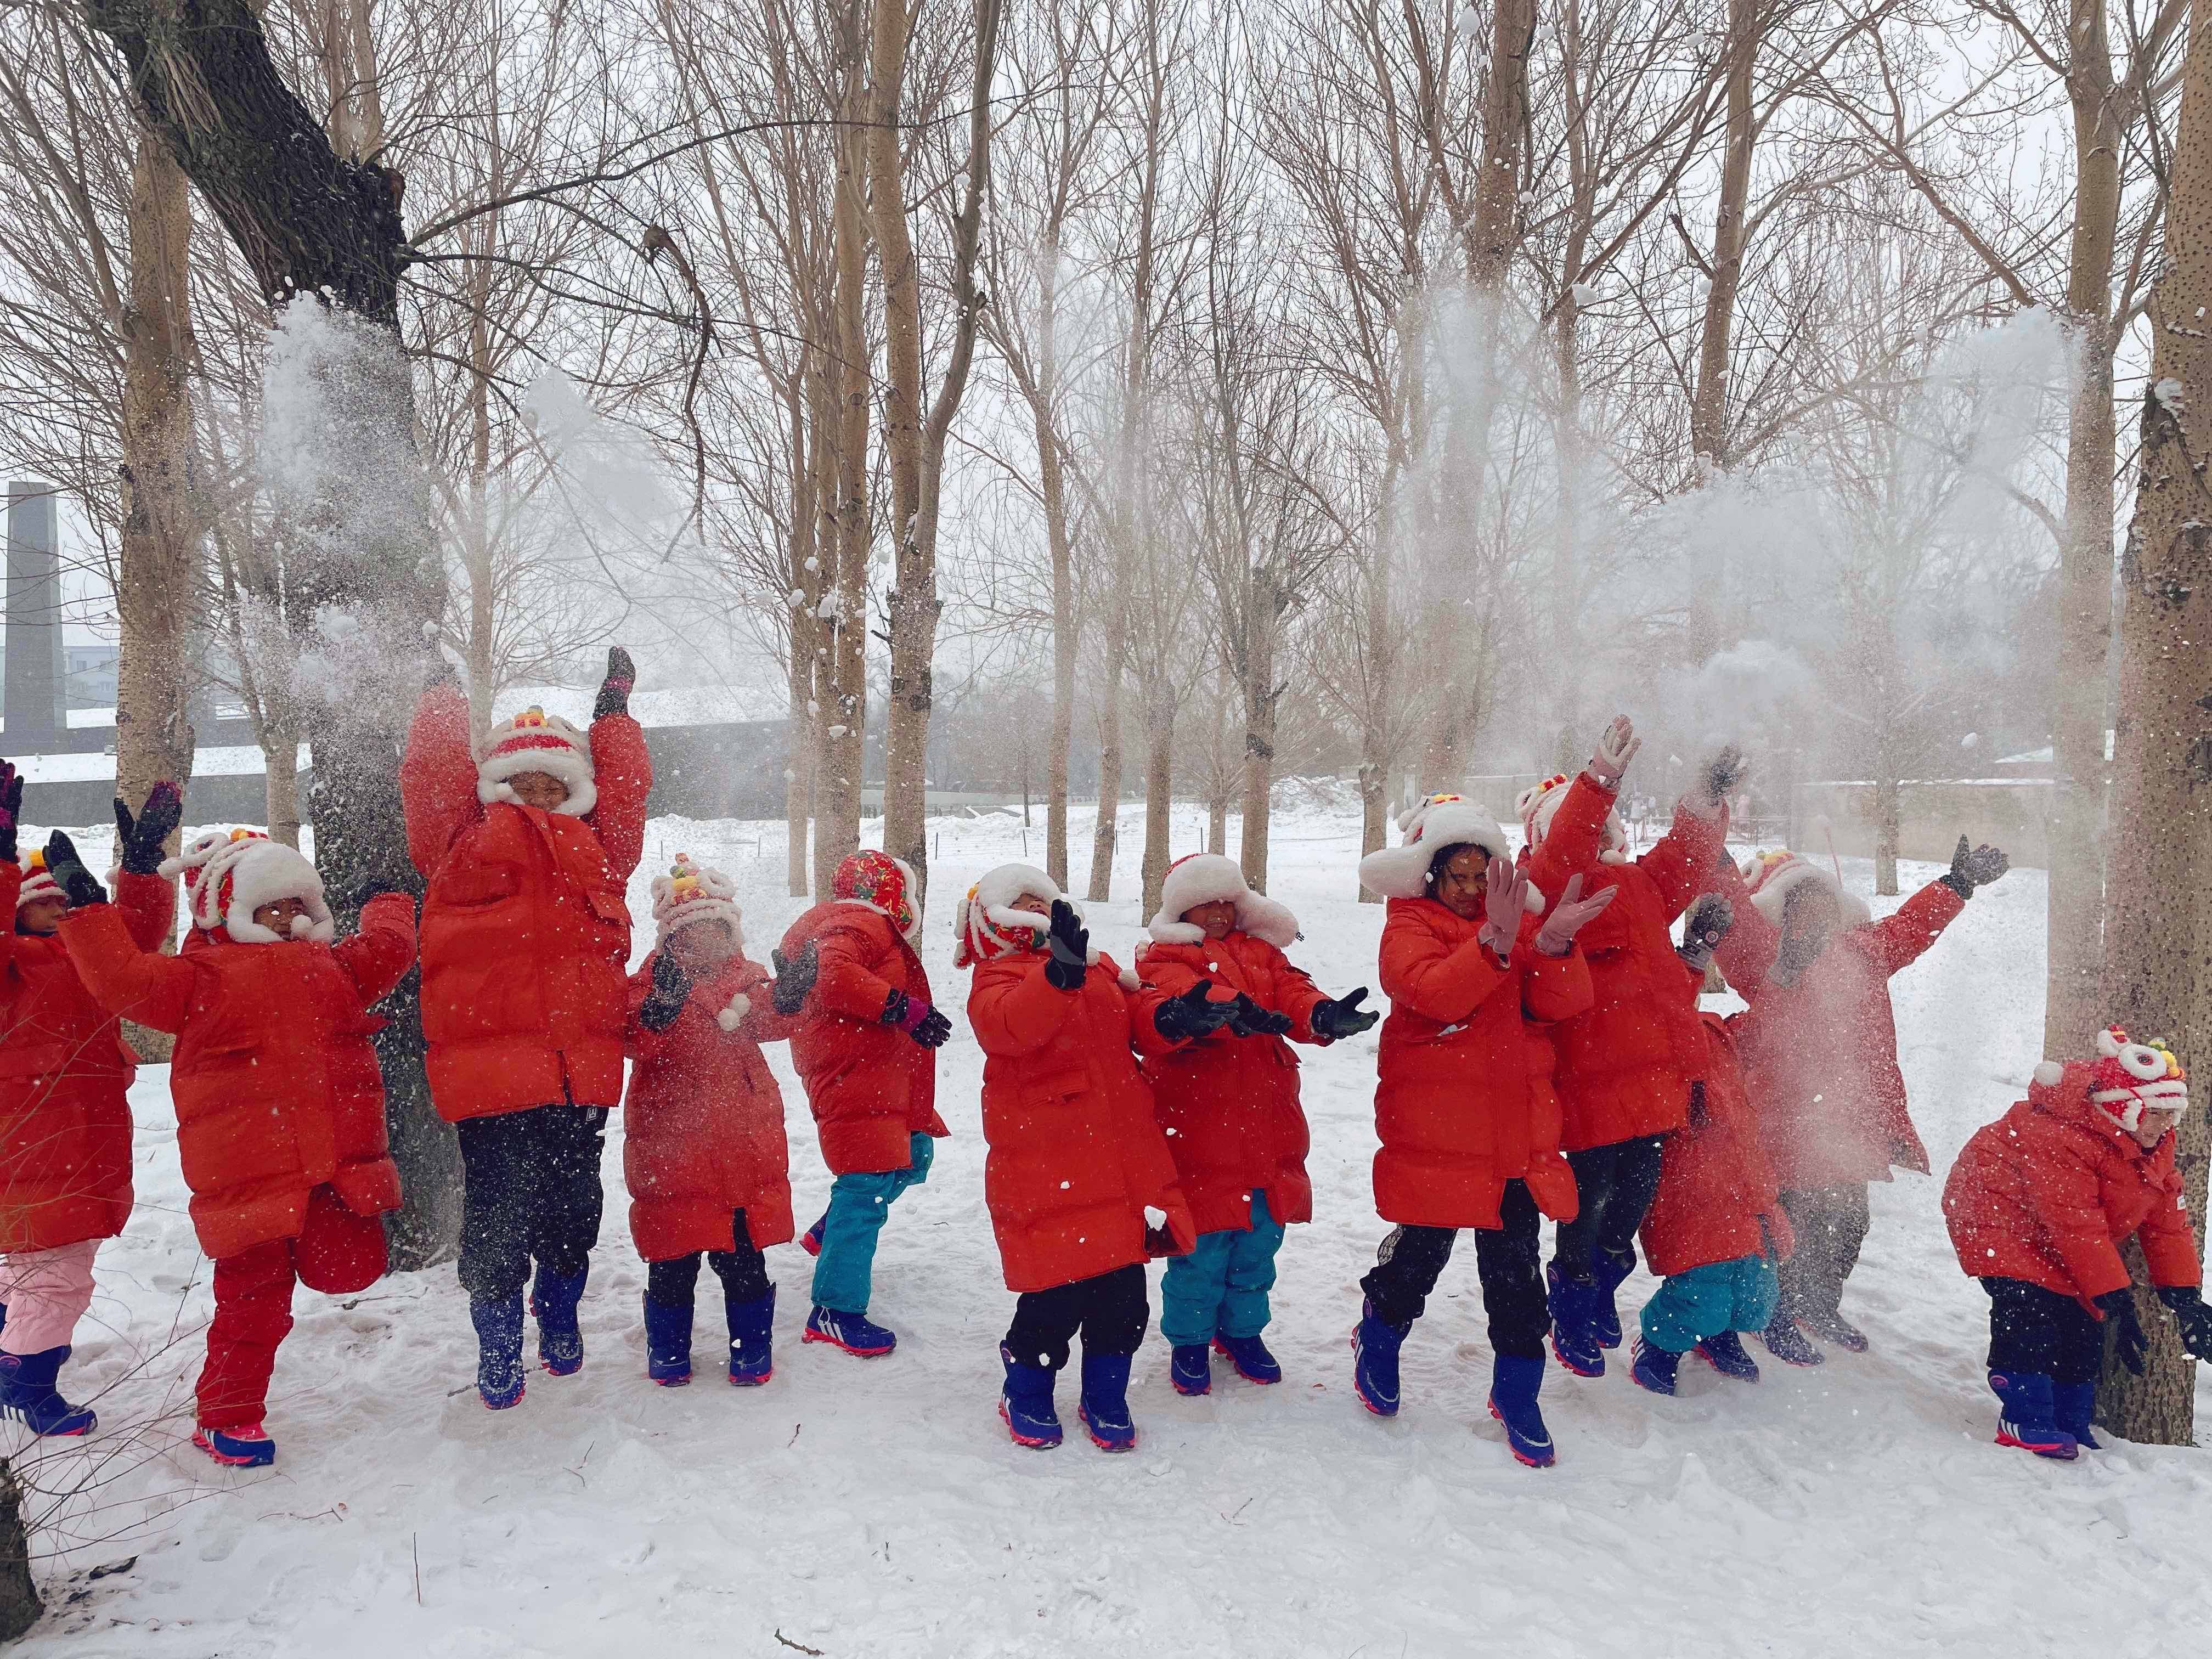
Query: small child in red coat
point(2039, 1204)
point(704, 1156)
point(1229, 1103)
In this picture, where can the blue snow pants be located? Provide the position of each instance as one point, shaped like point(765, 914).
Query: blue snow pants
point(1720, 1295)
point(1222, 1284)
point(843, 1274)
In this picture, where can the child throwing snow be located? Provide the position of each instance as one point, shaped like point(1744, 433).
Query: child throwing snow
point(280, 1107)
point(526, 843)
point(1819, 1048)
point(1716, 1229)
point(866, 1051)
point(1628, 1063)
point(704, 1156)
point(1229, 1103)
point(65, 1117)
point(1464, 1105)
point(1081, 1189)
point(2039, 1204)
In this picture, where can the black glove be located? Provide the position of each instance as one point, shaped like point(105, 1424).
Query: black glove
point(68, 873)
point(920, 1020)
point(1722, 772)
point(1069, 943)
point(614, 690)
point(794, 978)
point(1701, 1115)
point(2129, 1342)
point(2191, 1315)
point(1975, 868)
point(11, 807)
point(1193, 1014)
point(1704, 928)
point(1247, 1018)
point(1344, 1017)
point(671, 989)
point(138, 842)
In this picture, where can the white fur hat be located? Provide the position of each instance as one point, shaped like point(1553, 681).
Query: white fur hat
point(1445, 820)
point(985, 925)
point(690, 893)
point(1772, 877)
point(1203, 878)
point(1540, 804)
point(231, 873)
point(534, 741)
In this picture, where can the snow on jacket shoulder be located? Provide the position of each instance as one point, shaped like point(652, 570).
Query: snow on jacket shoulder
point(1076, 1154)
point(1229, 1105)
point(1626, 1064)
point(2050, 1191)
point(526, 927)
point(1715, 1188)
point(871, 1087)
point(704, 1129)
point(1464, 1100)
point(275, 1082)
point(65, 1075)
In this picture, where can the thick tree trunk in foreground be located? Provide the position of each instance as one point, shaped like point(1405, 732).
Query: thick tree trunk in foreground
point(20, 1606)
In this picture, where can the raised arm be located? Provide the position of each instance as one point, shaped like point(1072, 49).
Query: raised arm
point(1574, 838)
point(438, 777)
point(1897, 940)
point(149, 904)
point(1014, 1008)
point(1680, 865)
point(1748, 950)
point(154, 989)
point(621, 768)
point(378, 956)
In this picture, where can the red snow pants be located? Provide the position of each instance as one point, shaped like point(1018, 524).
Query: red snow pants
point(337, 1252)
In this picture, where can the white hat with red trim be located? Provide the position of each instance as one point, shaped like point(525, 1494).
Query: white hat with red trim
point(38, 881)
point(1198, 878)
point(1540, 804)
point(1440, 821)
point(534, 741)
point(230, 873)
point(690, 893)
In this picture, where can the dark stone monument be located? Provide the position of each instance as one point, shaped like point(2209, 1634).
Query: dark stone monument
point(37, 677)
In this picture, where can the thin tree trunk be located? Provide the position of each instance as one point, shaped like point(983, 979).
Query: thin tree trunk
point(20, 1606)
point(1263, 613)
point(1106, 832)
point(1886, 794)
point(1159, 795)
point(1051, 483)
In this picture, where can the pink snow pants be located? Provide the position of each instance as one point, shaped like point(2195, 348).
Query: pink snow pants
point(46, 1293)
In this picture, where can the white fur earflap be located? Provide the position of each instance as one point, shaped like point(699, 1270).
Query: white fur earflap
point(534, 741)
point(2048, 1072)
point(230, 874)
point(730, 1018)
point(1445, 820)
point(1200, 879)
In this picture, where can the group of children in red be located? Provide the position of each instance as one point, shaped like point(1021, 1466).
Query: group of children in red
point(1544, 1054)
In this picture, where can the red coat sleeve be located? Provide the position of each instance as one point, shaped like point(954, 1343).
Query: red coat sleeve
point(621, 769)
point(1680, 866)
point(378, 956)
point(2169, 1246)
point(1438, 983)
point(1747, 951)
point(1016, 1011)
point(11, 883)
point(438, 777)
point(1291, 992)
point(1557, 988)
point(149, 904)
point(154, 989)
point(1897, 940)
point(846, 982)
point(1574, 839)
point(762, 1024)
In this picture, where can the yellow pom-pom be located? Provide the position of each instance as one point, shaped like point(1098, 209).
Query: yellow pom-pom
point(38, 859)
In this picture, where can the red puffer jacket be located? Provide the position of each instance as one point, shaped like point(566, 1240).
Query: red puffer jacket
point(1626, 1064)
point(275, 1082)
point(64, 1071)
point(704, 1133)
point(870, 1086)
point(1820, 1056)
point(2050, 1191)
point(1229, 1105)
point(526, 932)
point(1465, 1102)
point(1715, 1188)
point(1076, 1154)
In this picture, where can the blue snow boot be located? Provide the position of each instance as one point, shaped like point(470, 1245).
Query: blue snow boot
point(1513, 1381)
point(1249, 1355)
point(2073, 1404)
point(1104, 1403)
point(1788, 1344)
point(553, 1300)
point(752, 1325)
point(1652, 1368)
point(2027, 1419)
point(1025, 1403)
point(855, 1332)
point(667, 1342)
point(27, 1394)
point(499, 1350)
point(1190, 1369)
point(1612, 1274)
point(1575, 1304)
point(239, 1446)
point(1374, 1344)
point(1725, 1354)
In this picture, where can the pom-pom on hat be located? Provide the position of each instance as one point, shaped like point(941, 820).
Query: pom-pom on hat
point(1540, 804)
point(1445, 820)
point(1772, 877)
point(38, 881)
point(230, 874)
point(876, 881)
point(1198, 878)
point(534, 741)
point(690, 893)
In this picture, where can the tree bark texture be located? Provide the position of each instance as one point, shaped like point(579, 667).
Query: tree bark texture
point(20, 1606)
point(1264, 604)
point(1159, 795)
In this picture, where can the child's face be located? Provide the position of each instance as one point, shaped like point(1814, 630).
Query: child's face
point(278, 915)
point(42, 916)
point(1216, 917)
point(702, 944)
point(2154, 1127)
point(1463, 884)
point(1033, 904)
point(539, 789)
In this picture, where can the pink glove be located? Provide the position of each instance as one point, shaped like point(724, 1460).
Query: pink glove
point(1557, 936)
point(1505, 900)
point(1616, 747)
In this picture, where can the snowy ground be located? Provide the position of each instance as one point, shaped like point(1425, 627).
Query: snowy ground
point(855, 1508)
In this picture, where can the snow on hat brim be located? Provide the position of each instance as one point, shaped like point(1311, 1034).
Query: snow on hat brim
point(555, 748)
point(1783, 877)
point(1402, 871)
point(1208, 878)
point(714, 899)
point(260, 871)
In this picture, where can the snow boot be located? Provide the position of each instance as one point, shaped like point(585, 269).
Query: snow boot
point(1788, 1344)
point(1611, 1276)
point(855, 1332)
point(1514, 1382)
point(1652, 1368)
point(27, 1394)
point(499, 1350)
point(1190, 1370)
point(1374, 1344)
point(1575, 1304)
point(240, 1446)
point(553, 1301)
point(1249, 1355)
point(752, 1329)
point(811, 1240)
point(667, 1342)
point(1832, 1326)
point(1025, 1403)
point(2073, 1404)
point(2026, 1421)
point(1725, 1354)
point(1104, 1403)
